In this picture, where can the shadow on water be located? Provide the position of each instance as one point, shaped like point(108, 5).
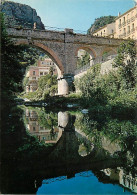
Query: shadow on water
point(39, 145)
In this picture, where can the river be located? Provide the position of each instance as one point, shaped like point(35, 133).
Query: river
point(68, 152)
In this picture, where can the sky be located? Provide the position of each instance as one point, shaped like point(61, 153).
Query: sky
point(76, 14)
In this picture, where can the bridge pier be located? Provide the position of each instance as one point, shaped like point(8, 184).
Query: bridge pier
point(65, 84)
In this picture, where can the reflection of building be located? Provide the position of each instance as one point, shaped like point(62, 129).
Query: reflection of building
point(126, 179)
point(50, 135)
point(125, 26)
point(35, 72)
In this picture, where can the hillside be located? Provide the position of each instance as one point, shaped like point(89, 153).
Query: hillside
point(100, 22)
point(17, 14)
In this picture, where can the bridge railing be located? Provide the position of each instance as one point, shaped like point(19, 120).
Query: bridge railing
point(93, 62)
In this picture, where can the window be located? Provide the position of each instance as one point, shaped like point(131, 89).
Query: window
point(41, 73)
point(128, 29)
point(112, 31)
point(34, 128)
point(124, 30)
point(104, 30)
point(101, 33)
point(124, 19)
point(33, 72)
point(45, 73)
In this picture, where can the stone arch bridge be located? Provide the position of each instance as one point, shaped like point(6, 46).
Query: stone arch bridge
point(62, 47)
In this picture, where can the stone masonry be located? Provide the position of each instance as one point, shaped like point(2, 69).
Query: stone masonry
point(62, 47)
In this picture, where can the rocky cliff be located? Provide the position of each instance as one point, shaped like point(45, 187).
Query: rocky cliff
point(17, 14)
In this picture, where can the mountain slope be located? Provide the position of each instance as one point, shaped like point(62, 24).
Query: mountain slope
point(17, 14)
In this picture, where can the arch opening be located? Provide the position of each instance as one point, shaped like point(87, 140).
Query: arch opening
point(108, 54)
point(47, 63)
point(85, 57)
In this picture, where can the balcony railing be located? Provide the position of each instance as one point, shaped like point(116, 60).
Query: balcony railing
point(96, 61)
point(133, 30)
point(128, 32)
point(124, 23)
point(120, 25)
point(122, 35)
point(128, 21)
point(133, 18)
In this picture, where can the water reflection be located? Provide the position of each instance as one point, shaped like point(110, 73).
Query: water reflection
point(45, 132)
point(67, 145)
point(80, 149)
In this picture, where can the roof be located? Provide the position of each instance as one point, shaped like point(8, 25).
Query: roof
point(125, 12)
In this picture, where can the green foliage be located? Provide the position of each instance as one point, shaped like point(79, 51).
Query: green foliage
point(117, 89)
point(11, 73)
point(25, 82)
point(125, 62)
point(100, 22)
point(85, 60)
point(30, 56)
point(48, 83)
point(47, 86)
point(89, 86)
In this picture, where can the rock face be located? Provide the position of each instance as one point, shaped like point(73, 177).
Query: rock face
point(17, 14)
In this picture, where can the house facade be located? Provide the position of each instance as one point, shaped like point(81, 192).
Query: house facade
point(35, 72)
point(124, 27)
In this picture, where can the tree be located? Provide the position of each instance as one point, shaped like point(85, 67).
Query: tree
point(11, 74)
point(125, 62)
point(85, 60)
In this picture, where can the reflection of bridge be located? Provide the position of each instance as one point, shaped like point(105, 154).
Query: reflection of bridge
point(63, 47)
point(65, 160)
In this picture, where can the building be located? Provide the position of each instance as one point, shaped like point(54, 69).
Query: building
point(124, 27)
point(44, 134)
point(35, 72)
point(108, 30)
point(126, 24)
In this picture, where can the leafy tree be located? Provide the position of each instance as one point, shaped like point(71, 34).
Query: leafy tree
point(125, 62)
point(85, 60)
point(100, 22)
point(11, 74)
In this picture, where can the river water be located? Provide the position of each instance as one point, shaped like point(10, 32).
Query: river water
point(68, 152)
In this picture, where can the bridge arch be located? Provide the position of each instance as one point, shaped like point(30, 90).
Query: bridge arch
point(50, 52)
point(109, 50)
point(88, 49)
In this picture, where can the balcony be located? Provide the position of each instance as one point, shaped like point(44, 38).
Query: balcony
point(132, 30)
point(122, 36)
point(128, 21)
point(120, 25)
point(133, 19)
point(128, 32)
point(123, 24)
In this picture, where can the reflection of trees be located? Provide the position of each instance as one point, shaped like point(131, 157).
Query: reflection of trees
point(47, 120)
point(123, 132)
point(22, 152)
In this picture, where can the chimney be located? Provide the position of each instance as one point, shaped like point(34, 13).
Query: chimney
point(135, 1)
point(119, 14)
